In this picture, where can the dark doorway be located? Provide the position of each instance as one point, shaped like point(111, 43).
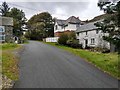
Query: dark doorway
point(86, 43)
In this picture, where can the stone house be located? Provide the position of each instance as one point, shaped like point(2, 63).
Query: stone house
point(89, 36)
point(6, 29)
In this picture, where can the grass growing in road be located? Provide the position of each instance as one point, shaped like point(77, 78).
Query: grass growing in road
point(106, 62)
point(9, 61)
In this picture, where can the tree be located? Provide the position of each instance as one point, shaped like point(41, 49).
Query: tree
point(4, 9)
point(111, 23)
point(42, 22)
point(19, 20)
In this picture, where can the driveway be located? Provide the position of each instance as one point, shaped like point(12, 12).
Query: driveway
point(45, 66)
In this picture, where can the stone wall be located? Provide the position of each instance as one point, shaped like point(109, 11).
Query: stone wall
point(9, 34)
point(7, 22)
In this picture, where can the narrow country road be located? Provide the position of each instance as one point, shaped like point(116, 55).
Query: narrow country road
point(45, 66)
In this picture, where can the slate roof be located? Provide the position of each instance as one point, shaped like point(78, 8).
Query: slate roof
point(87, 27)
point(61, 22)
point(71, 19)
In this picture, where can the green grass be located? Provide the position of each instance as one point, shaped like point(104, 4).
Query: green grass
point(9, 61)
point(106, 62)
point(9, 65)
point(7, 46)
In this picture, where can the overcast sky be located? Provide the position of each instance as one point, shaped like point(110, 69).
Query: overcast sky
point(84, 9)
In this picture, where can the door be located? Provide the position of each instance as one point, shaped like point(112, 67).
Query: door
point(86, 43)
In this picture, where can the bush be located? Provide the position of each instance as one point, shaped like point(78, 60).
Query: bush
point(23, 39)
point(105, 50)
point(63, 39)
point(98, 49)
point(74, 43)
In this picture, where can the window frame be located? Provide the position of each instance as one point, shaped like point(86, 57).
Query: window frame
point(92, 41)
point(1, 37)
point(3, 29)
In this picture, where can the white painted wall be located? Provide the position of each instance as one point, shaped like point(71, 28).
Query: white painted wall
point(99, 42)
point(59, 28)
point(71, 27)
point(52, 39)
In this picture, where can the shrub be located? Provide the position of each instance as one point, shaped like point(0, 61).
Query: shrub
point(23, 39)
point(105, 50)
point(74, 43)
point(72, 35)
point(63, 39)
point(99, 49)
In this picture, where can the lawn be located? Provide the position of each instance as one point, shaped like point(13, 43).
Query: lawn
point(9, 61)
point(106, 62)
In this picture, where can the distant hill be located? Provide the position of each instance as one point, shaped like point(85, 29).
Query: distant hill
point(97, 18)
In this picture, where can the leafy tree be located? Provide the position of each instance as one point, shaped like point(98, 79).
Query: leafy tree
point(110, 24)
point(4, 9)
point(42, 22)
point(19, 20)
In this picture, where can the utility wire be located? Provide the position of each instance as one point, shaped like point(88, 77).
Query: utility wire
point(23, 7)
point(32, 8)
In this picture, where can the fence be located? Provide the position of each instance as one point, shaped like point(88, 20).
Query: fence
point(52, 39)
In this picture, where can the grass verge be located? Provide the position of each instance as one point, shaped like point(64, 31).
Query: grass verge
point(106, 62)
point(10, 61)
point(8, 46)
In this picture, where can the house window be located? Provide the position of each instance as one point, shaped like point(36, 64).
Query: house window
point(77, 26)
point(2, 29)
point(97, 31)
point(86, 33)
point(62, 27)
point(92, 41)
point(77, 34)
point(2, 37)
point(56, 27)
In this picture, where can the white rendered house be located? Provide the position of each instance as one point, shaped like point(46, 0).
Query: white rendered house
point(71, 24)
point(89, 36)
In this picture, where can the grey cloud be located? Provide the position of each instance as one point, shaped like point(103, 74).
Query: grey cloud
point(70, 8)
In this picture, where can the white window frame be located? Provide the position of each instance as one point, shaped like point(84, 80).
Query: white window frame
point(92, 41)
point(2, 28)
point(2, 36)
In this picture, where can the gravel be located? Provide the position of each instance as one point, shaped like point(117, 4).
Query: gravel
point(6, 82)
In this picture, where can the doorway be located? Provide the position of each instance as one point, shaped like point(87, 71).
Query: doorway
point(86, 43)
